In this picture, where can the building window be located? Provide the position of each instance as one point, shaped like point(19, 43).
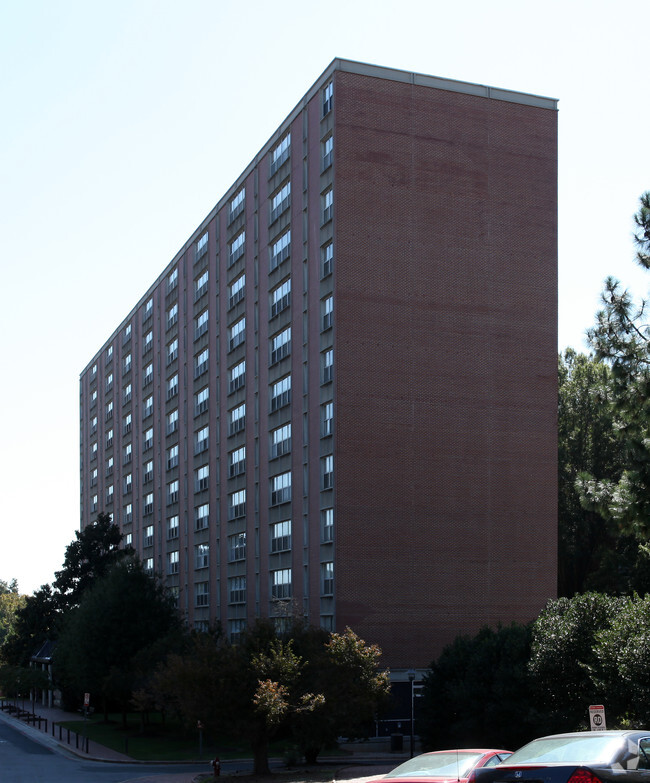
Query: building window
point(280, 201)
point(280, 250)
point(148, 565)
point(281, 584)
point(147, 476)
point(128, 454)
point(172, 315)
point(172, 351)
point(237, 504)
point(109, 494)
point(201, 285)
point(109, 410)
point(109, 438)
point(281, 536)
point(236, 206)
point(237, 419)
point(172, 386)
point(172, 492)
point(147, 343)
point(148, 310)
point(147, 536)
point(201, 401)
point(93, 477)
point(328, 98)
point(236, 547)
point(280, 153)
point(201, 247)
point(327, 259)
point(93, 451)
point(148, 439)
point(148, 374)
point(126, 364)
point(148, 503)
point(237, 291)
point(172, 280)
point(148, 407)
point(327, 419)
point(172, 457)
point(201, 324)
point(327, 152)
point(128, 483)
point(327, 471)
point(201, 362)
point(235, 629)
point(201, 516)
point(327, 200)
point(237, 590)
point(327, 309)
point(93, 398)
point(109, 353)
point(127, 334)
point(93, 370)
point(128, 540)
point(236, 248)
point(109, 381)
point(173, 561)
point(281, 393)
point(202, 594)
point(201, 478)
point(128, 514)
point(281, 345)
point(93, 503)
point(93, 425)
point(327, 578)
point(201, 440)
point(280, 297)
point(281, 441)
point(237, 334)
point(109, 466)
point(237, 377)
point(201, 555)
point(237, 462)
point(172, 421)
point(281, 488)
point(127, 393)
point(173, 524)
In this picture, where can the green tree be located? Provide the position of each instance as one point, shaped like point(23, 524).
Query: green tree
point(591, 552)
point(564, 663)
point(122, 614)
point(475, 687)
point(36, 621)
point(621, 337)
point(10, 603)
point(88, 558)
point(266, 682)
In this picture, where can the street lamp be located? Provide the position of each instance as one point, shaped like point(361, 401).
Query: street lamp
point(411, 676)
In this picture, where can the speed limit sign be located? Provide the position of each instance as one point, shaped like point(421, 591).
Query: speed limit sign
point(597, 717)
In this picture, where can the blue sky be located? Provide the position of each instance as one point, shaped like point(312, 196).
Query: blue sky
point(123, 124)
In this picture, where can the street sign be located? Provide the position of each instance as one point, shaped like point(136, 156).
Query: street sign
point(597, 717)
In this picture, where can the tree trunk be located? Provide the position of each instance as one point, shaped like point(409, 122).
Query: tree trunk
point(260, 745)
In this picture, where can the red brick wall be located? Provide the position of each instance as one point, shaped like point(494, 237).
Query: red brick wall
point(445, 363)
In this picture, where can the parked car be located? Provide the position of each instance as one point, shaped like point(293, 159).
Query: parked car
point(578, 757)
point(444, 766)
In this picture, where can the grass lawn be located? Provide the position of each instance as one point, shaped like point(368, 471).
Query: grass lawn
point(158, 741)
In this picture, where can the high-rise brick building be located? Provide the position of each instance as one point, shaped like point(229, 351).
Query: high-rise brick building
point(339, 397)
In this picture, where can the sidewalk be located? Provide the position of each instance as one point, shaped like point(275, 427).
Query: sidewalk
point(361, 763)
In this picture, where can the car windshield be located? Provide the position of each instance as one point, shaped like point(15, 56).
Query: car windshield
point(591, 749)
point(437, 765)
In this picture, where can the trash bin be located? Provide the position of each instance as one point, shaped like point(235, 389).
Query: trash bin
point(396, 743)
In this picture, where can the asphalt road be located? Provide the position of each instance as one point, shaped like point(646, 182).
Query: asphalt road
point(22, 760)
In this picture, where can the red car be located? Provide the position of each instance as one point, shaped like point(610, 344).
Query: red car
point(445, 766)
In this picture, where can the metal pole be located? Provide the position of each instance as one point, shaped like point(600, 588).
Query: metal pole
point(411, 676)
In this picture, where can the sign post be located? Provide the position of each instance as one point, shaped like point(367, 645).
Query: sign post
point(597, 717)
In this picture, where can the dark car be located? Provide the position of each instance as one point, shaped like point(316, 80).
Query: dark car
point(444, 766)
point(579, 757)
